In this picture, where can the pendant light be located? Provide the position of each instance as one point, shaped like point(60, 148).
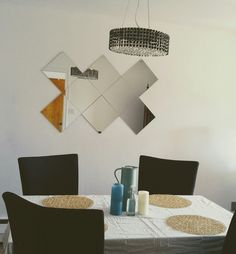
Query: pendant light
point(138, 41)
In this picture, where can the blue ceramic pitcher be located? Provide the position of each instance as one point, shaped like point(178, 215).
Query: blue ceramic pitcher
point(128, 179)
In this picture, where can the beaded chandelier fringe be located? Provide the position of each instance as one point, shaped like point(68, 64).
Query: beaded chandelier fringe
point(139, 41)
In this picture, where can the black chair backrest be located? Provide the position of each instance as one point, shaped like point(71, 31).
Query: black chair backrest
point(162, 176)
point(230, 239)
point(41, 230)
point(49, 175)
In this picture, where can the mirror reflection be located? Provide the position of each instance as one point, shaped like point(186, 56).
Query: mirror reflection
point(100, 94)
point(65, 108)
point(138, 116)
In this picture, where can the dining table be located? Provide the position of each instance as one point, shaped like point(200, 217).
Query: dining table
point(148, 234)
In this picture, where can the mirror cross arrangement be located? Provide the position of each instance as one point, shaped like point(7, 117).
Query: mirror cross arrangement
point(99, 94)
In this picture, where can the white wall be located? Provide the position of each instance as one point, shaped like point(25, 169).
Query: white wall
point(193, 100)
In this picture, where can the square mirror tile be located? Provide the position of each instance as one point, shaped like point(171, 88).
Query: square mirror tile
point(71, 113)
point(54, 112)
point(60, 64)
point(81, 93)
point(137, 116)
point(107, 74)
point(100, 114)
point(130, 86)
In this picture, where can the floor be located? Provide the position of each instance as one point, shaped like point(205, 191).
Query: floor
point(1, 249)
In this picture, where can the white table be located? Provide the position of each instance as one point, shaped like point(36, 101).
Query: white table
point(144, 235)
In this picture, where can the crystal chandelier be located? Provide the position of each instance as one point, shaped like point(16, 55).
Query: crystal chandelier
point(138, 41)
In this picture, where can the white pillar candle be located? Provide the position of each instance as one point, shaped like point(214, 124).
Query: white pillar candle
point(143, 202)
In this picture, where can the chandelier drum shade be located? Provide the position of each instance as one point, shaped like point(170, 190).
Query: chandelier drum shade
point(139, 41)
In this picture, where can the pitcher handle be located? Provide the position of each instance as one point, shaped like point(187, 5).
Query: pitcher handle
point(116, 175)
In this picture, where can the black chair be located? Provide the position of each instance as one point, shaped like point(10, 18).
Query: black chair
point(49, 175)
point(229, 242)
point(41, 230)
point(161, 176)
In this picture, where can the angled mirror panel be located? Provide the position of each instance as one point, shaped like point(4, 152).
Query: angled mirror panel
point(52, 75)
point(60, 64)
point(107, 74)
point(100, 114)
point(71, 114)
point(54, 112)
point(60, 112)
point(82, 93)
point(130, 86)
point(137, 116)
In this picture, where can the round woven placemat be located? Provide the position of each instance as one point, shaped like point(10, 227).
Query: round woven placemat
point(194, 224)
point(169, 201)
point(68, 201)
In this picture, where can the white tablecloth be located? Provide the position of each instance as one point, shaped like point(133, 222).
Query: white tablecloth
point(150, 234)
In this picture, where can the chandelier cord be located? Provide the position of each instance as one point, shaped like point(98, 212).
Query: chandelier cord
point(136, 12)
point(125, 15)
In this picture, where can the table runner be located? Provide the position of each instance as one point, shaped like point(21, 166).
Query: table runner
point(150, 234)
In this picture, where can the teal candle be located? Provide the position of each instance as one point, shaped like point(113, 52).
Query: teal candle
point(117, 191)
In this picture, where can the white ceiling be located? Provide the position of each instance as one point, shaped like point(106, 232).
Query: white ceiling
point(218, 13)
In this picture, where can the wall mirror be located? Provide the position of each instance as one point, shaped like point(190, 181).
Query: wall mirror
point(100, 94)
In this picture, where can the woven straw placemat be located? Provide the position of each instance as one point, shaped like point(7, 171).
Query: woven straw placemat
point(197, 225)
point(68, 201)
point(169, 201)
